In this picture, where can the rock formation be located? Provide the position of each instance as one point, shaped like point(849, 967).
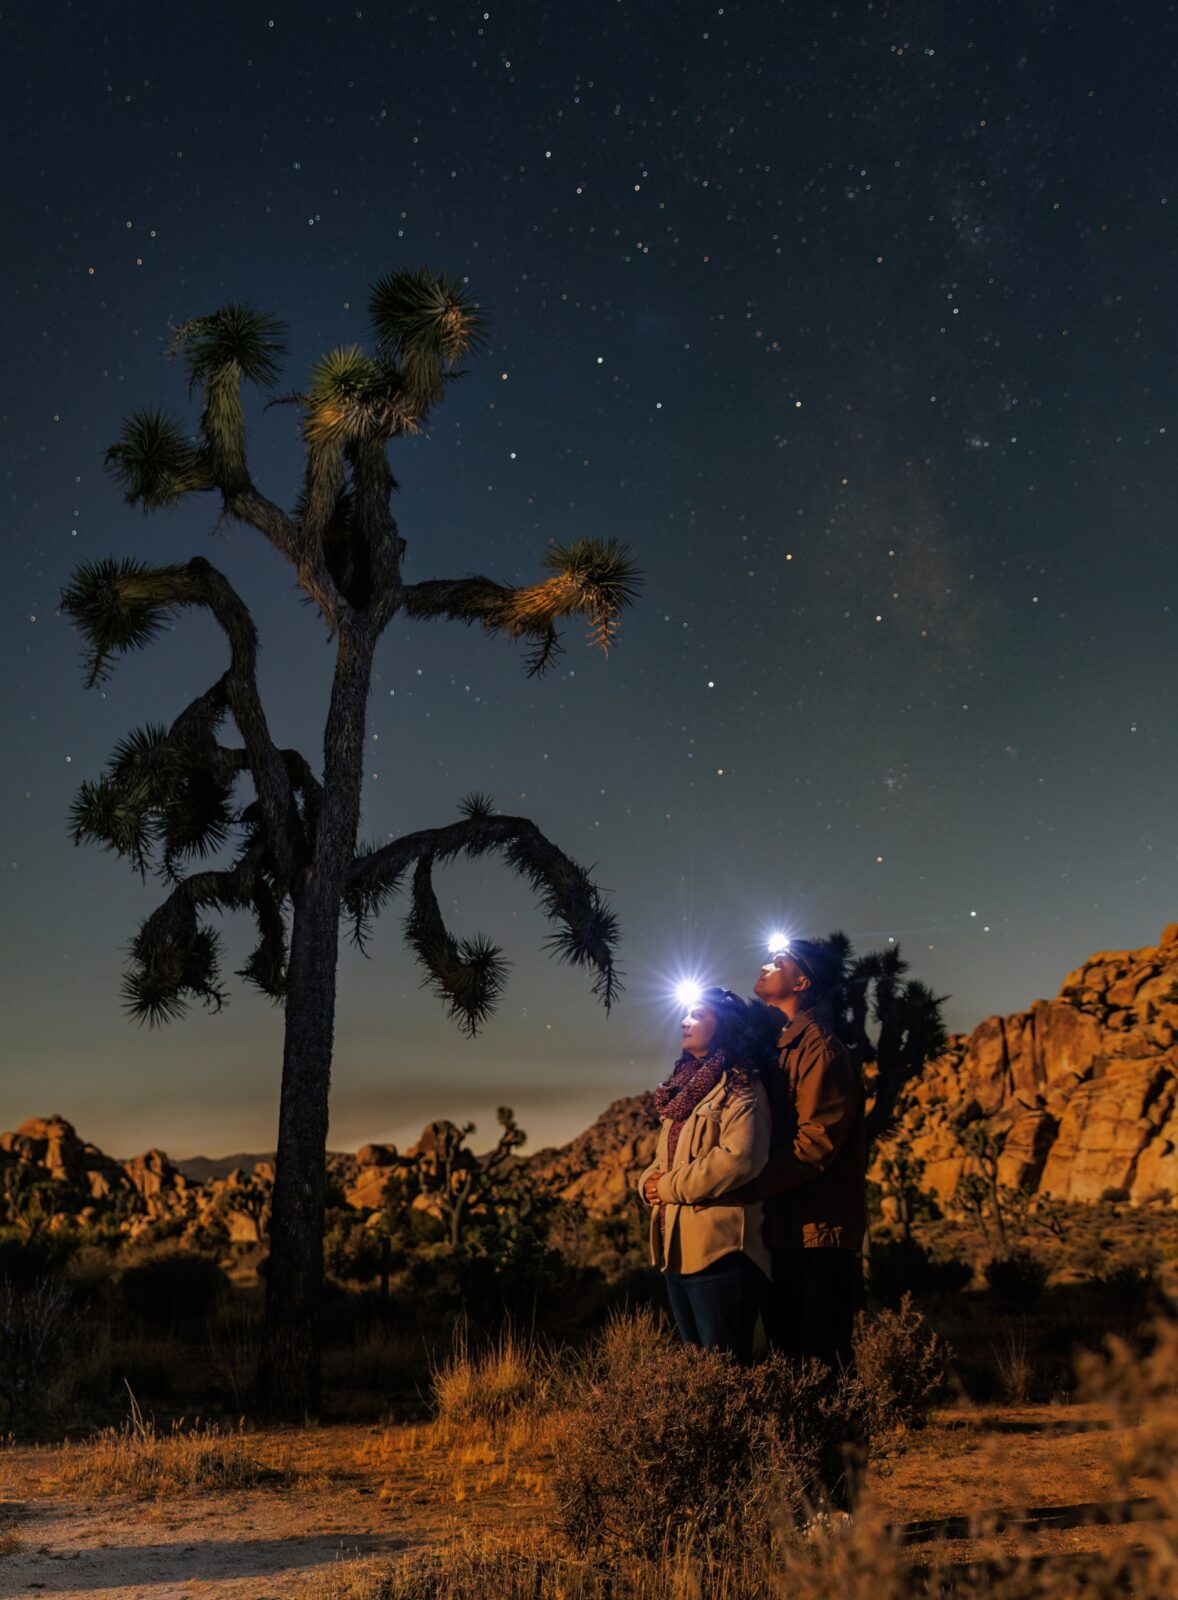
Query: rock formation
point(1081, 1091)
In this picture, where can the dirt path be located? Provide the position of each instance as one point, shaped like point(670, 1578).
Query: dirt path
point(370, 1491)
point(242, 1548)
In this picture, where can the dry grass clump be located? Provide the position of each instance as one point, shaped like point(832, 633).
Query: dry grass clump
point(488, 1385)
point(135, 1459)
point(10, 1541)
point(670, 1444)
point(904, 1368)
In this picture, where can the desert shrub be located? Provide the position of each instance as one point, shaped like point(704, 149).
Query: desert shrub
point(674, 1444)
point(1130, 1289)
point(25, 1259)
point(172, 1288)
point(1019, 1277)
point(351, 1251)
point(904, 1368)
point(36, 1323)
point(897, 1267)
point(488, 1384)
point(386, 1363)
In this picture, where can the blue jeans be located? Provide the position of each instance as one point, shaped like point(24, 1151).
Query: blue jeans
point(716, 1308)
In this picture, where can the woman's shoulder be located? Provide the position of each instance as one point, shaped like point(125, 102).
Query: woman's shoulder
point(741, 1085)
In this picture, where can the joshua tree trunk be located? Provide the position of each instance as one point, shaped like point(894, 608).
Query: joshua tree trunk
point(288, 1366)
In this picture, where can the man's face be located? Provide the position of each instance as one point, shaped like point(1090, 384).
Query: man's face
point(779, 978)
point(698, 1029)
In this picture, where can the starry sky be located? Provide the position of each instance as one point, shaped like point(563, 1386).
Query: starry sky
point(856, 320)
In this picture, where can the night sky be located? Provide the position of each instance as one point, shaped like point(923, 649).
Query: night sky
point(857, 322)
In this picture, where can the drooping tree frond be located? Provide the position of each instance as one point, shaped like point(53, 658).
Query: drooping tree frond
point(425, 323)
point(156, 463)
point(265, 970)
point(469, 974)
point(119, 606)
point(592, 578)
point(102, 813)
point(586, 932)
point(367, 893)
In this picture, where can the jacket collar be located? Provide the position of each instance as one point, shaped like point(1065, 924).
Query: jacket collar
point(794, 1030)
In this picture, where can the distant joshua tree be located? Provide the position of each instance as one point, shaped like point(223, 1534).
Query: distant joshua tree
point(168, 797)
point(906, 1014)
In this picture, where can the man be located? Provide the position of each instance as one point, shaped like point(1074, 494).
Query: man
point(814, 1186)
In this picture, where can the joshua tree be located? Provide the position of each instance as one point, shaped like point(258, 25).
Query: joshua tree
point(168, 797)
point(910, 1029)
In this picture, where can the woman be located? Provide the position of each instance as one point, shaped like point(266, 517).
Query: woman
point(714, 1136)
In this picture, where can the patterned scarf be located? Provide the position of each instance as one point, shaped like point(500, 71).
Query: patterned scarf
point(688, 1084)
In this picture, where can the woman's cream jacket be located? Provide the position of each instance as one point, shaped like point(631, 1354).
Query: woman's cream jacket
point(722, 1144)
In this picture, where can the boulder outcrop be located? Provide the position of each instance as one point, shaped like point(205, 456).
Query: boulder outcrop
point(1080, 1092)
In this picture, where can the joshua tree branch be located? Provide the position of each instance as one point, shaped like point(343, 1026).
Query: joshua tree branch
point(469, 973)
point(247, 505)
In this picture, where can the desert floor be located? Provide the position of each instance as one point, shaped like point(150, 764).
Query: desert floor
point(1039, 1477)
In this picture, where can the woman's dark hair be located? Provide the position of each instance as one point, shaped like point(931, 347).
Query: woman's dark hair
point(728, 1009)
point(747, 1030)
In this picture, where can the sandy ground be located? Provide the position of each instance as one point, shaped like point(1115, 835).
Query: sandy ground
point(377, 1491)
point(370, 1491)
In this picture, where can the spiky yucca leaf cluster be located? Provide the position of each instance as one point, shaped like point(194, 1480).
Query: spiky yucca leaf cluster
point(155, 463)
point(593, 578)
point(425, 323)
point(119, 606)
point(236, 341)
point(161, 791)
point(354, 399)
point(170, 961)
point(233, 344)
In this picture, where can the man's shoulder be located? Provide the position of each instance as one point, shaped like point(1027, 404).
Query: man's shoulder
point(817, 1038)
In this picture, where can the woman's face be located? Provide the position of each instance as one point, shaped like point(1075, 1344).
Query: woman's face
point(699, 1029)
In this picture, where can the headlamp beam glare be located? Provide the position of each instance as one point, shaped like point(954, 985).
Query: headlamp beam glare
point(778, 944)
point(688, 992)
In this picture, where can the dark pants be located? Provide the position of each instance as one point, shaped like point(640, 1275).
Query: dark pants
point(809, 1308)
point(809, 1313)
point(716, 1308)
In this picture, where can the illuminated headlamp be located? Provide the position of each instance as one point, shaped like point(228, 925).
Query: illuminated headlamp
point(688, 992)
point(778, 944)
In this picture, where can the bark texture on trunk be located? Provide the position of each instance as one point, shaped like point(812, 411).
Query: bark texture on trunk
point(288, 1383)
point(288, 1370)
